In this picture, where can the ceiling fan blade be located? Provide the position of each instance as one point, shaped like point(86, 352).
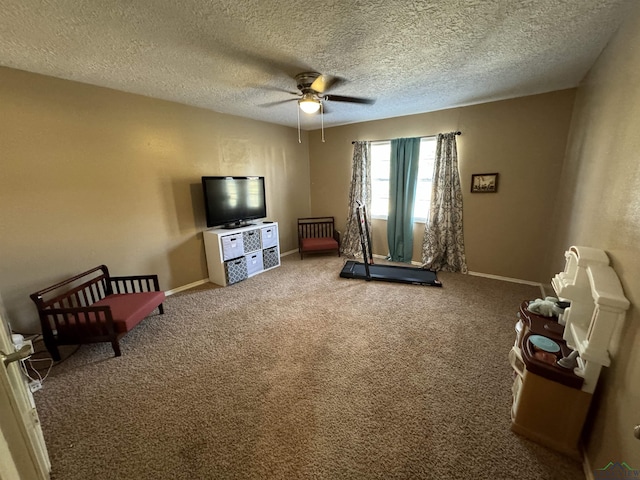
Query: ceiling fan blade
point(340, 98)
point(273, 89)
point(279, 102)
point(274, 63)
point(325, 82)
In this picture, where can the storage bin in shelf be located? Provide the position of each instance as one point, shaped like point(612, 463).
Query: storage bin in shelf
point(232, 246)
point(251, 241)
point(269, 236)
point(271, 257)
point(254, 263)
point(236, 270)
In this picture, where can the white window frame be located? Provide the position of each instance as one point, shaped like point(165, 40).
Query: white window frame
point(380, 172)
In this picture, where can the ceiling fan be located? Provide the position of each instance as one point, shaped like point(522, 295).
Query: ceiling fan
point(313, 89)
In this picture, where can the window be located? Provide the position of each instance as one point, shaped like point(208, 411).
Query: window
point(380, 170)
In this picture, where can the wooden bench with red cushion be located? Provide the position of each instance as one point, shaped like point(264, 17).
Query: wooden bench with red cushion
point(317, 235)
point(95, 307)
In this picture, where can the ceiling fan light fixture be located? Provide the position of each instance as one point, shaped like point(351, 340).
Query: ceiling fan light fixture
point(309, 103)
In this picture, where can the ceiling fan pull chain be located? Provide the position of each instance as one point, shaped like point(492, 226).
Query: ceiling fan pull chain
point(298, 110)
point(321, 119)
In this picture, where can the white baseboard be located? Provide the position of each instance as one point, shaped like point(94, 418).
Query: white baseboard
point(206, 280)
point(512, 280)
point(506, 279)
point(186, 287)
point(476, 274)
point(488, 275)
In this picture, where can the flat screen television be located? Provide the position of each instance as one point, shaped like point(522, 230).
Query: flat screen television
point(233, 201)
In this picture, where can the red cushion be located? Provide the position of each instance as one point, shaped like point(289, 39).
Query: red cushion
point(315, 244)
point(130, 309)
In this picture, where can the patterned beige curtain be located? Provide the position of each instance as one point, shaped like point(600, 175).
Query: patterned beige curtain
point(443, 241)
point(360, 191)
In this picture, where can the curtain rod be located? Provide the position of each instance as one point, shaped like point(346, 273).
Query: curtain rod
point(389, 139)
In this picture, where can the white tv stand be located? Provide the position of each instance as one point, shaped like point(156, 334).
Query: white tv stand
point(236, 254)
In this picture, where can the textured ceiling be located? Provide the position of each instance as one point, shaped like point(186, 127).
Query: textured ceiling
point(234, 56)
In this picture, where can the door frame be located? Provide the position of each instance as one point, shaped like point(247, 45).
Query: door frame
point(20, 432)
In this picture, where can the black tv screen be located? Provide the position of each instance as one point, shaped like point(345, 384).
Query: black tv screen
point(233, 201)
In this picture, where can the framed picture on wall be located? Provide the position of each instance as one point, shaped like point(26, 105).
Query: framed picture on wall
point(484, 183)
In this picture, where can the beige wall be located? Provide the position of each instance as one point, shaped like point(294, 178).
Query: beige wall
point(523, 139)
point(600, 207)
point(91, 175)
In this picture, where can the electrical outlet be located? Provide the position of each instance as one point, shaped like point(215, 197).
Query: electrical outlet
point(35, 385)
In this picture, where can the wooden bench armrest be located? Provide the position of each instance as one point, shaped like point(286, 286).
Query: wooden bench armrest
point(70, 318)
point(79, 311)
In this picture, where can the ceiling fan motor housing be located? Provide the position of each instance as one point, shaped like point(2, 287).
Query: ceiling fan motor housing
point(314, 87)
point(304, 81)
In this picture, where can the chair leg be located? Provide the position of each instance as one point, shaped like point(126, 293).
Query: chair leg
point(53, 351)
point(161, 309)
point(116, 347)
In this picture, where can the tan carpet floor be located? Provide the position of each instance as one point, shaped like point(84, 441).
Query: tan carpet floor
point(299, 374)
